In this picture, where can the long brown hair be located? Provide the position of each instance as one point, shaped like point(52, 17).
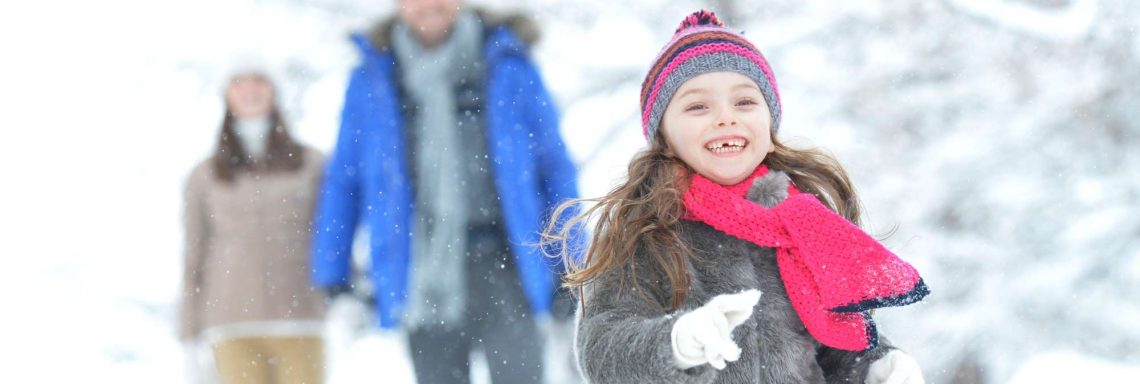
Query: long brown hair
point(282, 154)
point(643, 213)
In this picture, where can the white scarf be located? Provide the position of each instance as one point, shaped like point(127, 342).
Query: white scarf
point(253, 134)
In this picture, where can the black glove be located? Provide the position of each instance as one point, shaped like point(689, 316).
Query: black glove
point(335, 291)
point(350, 291)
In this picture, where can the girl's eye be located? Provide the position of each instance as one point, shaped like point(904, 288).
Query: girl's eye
point(746, 102)
point(695, 107)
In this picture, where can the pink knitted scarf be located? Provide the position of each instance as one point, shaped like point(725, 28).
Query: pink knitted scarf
point(833, 271)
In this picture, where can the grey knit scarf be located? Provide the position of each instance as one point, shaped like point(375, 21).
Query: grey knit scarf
point(439, 233)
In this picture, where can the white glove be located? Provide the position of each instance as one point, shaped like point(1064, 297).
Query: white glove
point(704, 336)
point(357, 361)
point(896, 367)
point(347, 319)
point(351, 312)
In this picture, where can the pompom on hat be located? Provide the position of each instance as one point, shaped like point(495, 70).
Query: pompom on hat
point(702, 45)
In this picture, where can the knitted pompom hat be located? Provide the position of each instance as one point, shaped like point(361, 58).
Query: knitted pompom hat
point(701, 45)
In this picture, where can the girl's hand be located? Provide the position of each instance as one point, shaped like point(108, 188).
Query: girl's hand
point(704, 336)
point(896, 367)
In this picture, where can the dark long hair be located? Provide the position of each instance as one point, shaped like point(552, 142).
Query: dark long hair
point(283, 154)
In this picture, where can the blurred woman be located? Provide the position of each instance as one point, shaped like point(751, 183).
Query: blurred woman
point(248, 211)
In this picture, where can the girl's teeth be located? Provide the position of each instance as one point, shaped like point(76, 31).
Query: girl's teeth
point(726, 149)
point(727, 146)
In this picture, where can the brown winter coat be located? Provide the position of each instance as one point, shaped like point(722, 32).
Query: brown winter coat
point(247, 246)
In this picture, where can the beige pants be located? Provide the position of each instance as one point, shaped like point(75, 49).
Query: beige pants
point(270, 360)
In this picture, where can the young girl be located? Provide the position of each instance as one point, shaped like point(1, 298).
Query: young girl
point(727, 257)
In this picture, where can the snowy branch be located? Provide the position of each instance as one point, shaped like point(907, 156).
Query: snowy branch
point(1065, 24)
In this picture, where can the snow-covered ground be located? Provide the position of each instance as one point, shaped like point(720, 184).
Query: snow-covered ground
point(997, 139)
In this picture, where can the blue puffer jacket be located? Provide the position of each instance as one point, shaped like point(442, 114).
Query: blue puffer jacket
point(367, 179)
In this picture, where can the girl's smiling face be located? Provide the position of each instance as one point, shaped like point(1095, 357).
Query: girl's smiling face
point(719, 124)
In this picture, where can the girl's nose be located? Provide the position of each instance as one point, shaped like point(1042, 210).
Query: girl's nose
point(725, 118)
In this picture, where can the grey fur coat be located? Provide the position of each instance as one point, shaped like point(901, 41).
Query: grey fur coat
point(622, 338)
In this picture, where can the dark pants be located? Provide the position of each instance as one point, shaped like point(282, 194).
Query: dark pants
point(498, 321)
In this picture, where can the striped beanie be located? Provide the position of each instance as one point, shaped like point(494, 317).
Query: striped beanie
point(701, 45)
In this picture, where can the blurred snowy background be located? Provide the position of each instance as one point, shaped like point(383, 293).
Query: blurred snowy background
point(997, 142)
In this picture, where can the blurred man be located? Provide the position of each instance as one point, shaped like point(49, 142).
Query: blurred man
point(449, 152)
